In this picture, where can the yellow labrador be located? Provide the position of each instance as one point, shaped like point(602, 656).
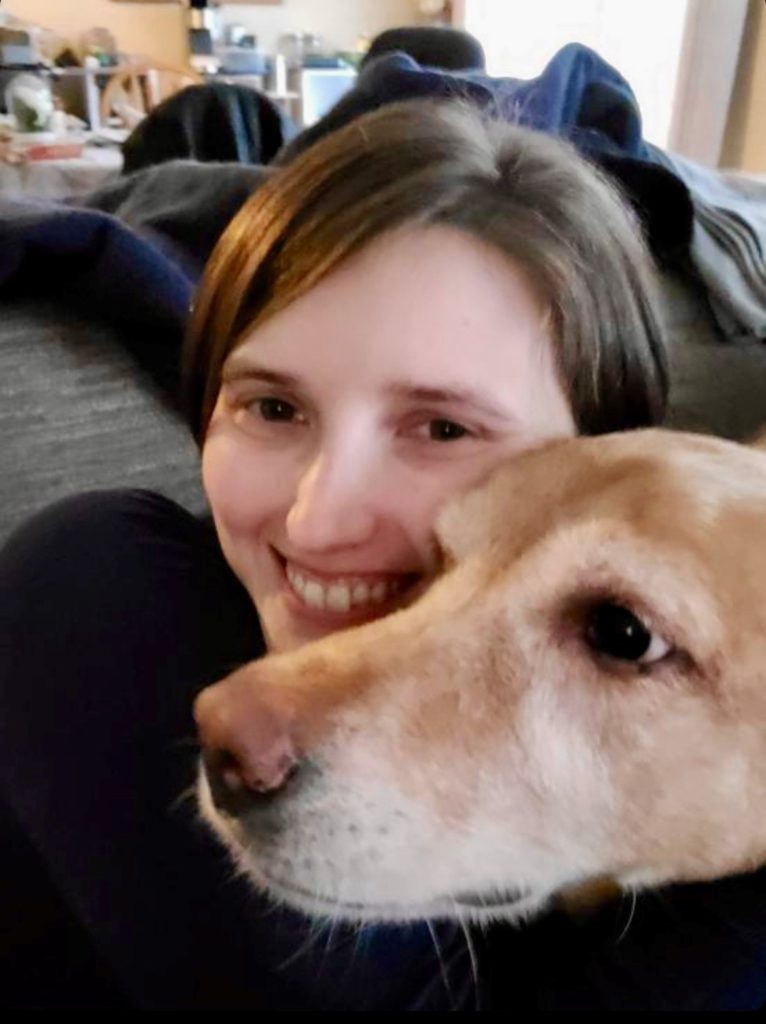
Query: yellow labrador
point(580, 695)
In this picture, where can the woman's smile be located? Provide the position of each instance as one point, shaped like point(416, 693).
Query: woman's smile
point(344, 599)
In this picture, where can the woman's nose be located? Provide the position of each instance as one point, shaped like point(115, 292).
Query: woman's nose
point(333, 506)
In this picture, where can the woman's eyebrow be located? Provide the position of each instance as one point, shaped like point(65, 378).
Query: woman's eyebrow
point(461, 395)
point(243, 369)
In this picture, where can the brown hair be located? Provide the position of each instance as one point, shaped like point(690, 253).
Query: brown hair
point(421, 163)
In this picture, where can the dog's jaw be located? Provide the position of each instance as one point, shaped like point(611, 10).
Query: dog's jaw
point(480, 906)
point(510, 908)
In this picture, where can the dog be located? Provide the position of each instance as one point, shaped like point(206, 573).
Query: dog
point(578, 699)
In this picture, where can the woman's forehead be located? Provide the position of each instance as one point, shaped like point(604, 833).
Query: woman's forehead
point(412, 302)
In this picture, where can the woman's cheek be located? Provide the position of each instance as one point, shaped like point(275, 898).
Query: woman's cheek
point(217, 477)
point(243, 486)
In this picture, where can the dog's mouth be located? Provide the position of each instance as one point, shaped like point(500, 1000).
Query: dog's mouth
point(511, 903)
point(509, 900)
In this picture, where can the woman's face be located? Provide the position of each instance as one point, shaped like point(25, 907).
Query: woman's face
point(346, 420)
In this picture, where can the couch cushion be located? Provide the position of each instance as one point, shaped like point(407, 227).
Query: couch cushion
point(77, 413)
point(716, 387)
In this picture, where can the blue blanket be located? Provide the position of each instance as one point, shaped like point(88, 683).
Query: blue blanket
point(577, 95)
point(93, 258)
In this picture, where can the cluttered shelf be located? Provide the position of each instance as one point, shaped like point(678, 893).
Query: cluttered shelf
point(66, 109)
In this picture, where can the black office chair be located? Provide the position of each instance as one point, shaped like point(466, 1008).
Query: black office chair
point(216, 121)
point(434, 46)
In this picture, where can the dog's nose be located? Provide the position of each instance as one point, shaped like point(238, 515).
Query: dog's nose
point(246, 746)
point(228, 790)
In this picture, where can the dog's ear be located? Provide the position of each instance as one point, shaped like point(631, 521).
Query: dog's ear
point(472, 520)
point(463, 525)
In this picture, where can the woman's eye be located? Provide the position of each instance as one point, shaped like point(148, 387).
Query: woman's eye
point(277, 410)
point(445, 430)
point(614, 631)
point(274, 409)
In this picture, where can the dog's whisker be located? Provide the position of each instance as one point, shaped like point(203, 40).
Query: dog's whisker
point(472, 956)
point(271, 908)
point(238, 872)
point(311, 940)
point(442, 965)
point(327, 949)
point(186, 795)
point(359, 937)
point(319, 927)
point(300, 952)
point(631, 915)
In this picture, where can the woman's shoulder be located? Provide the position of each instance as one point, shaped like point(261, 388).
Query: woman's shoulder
point(105, 513)
point(116, 609)
point(96, 528)
point(121, 562)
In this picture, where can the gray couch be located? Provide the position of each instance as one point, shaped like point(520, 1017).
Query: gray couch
point(77, 412)
point(716, 387)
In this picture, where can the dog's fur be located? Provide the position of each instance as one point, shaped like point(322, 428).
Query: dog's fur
point(473, 755)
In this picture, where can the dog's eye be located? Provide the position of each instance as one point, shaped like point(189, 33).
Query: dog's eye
point(616, 632)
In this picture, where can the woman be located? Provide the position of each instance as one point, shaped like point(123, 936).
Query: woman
point(409, 302)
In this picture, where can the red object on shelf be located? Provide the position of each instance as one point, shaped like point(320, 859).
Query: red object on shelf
point(53, 151)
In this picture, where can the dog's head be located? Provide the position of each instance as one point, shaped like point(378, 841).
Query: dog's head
point(582, 693)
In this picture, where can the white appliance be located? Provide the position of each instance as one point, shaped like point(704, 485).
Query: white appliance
point(320, 89)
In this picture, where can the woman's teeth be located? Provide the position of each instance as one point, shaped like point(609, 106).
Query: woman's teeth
point(340, 597)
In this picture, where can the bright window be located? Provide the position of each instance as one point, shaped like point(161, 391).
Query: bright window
point(640, 38)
